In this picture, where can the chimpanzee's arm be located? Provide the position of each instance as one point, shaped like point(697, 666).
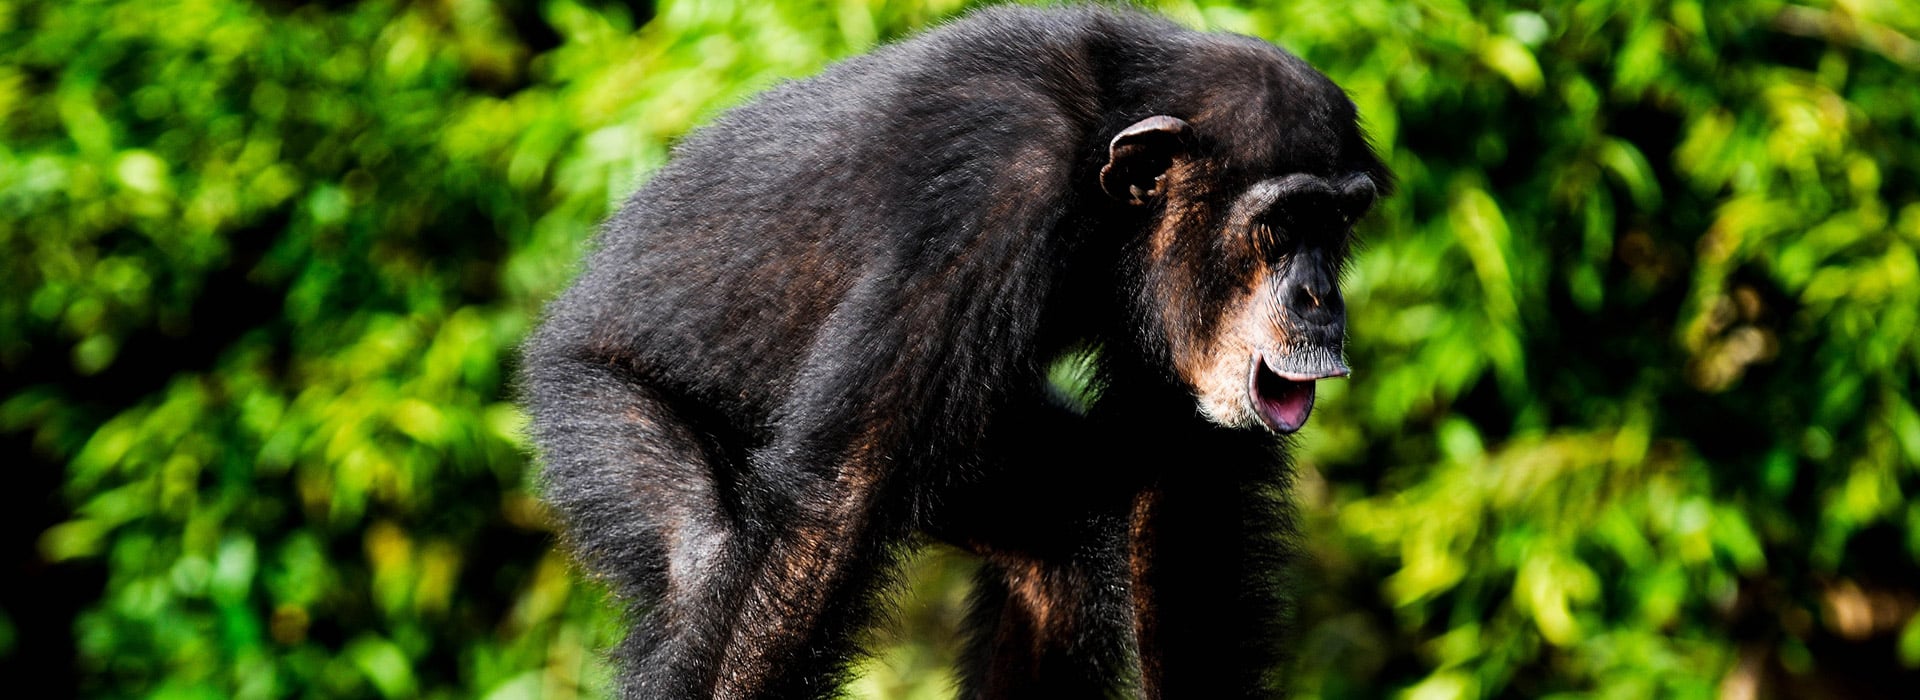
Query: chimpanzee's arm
point(1207, 545)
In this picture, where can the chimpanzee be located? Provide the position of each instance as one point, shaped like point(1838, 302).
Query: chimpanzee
point(822, 335)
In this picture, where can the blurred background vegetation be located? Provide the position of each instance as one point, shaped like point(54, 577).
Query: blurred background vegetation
point(1634, 413)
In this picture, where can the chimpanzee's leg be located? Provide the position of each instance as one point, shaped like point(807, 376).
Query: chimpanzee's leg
point(638, 495)
point(728, 595)
point(824, 551)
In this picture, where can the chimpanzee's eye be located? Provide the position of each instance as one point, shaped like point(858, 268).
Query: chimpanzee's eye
point(1270, 236)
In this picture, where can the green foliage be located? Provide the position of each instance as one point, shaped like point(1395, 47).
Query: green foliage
point(1633, 411)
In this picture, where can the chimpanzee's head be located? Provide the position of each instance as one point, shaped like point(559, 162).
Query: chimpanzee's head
point(1253, 190)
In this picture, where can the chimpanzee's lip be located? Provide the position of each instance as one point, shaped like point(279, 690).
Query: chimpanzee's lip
point(1281, 386)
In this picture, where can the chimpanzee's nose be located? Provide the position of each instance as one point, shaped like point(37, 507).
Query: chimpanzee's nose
point(1316, 300)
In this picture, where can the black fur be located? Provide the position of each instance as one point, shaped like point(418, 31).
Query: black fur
point(825, 327)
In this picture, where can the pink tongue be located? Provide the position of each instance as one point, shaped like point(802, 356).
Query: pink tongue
point(1285, 404)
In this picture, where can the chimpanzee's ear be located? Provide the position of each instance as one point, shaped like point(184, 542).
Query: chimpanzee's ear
point(1139, 156)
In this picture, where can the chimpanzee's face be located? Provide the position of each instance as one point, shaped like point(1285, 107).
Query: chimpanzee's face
point(1253, 204)
point(1268, 271)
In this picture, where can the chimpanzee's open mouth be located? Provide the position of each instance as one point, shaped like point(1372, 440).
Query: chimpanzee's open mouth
point(1282, 390)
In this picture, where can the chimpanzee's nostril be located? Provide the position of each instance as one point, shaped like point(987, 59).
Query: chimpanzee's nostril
point(1313, 306)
